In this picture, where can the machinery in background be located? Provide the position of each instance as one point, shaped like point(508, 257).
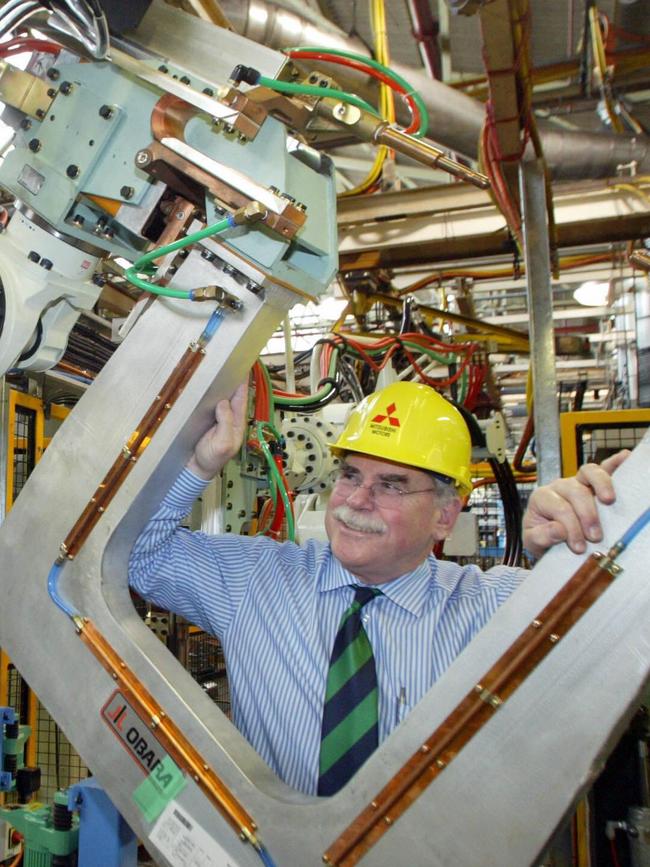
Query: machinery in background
point(81, 828)
point(112, 156)
point(131, 154)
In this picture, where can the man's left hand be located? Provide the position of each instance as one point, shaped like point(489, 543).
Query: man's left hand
point(565, 510)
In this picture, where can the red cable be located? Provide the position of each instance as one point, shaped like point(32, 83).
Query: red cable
point(278, 517)
point(369, 70)
point(262, 406)
point(612, 845)
point(21, 44)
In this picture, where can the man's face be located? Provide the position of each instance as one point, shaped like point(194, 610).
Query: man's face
point(378, 543)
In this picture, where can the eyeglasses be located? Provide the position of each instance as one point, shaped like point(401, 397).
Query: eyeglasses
point(383, 493)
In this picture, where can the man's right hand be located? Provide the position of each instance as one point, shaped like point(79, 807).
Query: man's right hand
point(223, 440)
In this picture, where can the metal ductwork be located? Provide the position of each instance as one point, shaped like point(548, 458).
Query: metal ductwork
point(455, 119)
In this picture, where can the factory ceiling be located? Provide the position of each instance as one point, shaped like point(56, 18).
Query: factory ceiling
point(563, 81)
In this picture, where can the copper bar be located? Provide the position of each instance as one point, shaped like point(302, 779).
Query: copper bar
point(426, 154)
point(168, 734)
point(473, 711)
point(160, 158)
point(135, 445)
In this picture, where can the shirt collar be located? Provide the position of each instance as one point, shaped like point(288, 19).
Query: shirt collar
point(409, 591)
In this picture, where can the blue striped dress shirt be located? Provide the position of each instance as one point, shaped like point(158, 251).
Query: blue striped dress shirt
point(276, 610)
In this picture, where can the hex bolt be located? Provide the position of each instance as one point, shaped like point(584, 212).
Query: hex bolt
point(163, 69)
point(46, 263)
point(127, 192)
point(33, 257)
point(51, 92)
point(40, 113)
point(65, 88)
point(72, 171)
point(184, 79)
point(106, 112)
point(34, 145)
point(25, 123)
point(53, 74)
point(78, 220)
point(208, 91)
point(143, 158)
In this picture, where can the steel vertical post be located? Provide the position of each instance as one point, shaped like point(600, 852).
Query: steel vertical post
point(540, 305)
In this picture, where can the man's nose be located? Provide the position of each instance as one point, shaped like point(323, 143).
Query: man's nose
point(361, 496)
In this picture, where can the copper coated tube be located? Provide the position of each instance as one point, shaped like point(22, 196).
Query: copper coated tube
point(427, 154)
point(166, 731)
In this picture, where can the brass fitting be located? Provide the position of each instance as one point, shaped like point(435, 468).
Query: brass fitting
point(250, 213)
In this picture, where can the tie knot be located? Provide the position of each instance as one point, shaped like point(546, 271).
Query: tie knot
point(363, 595)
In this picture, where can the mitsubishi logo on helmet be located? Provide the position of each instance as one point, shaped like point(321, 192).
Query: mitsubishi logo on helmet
point(392, 420)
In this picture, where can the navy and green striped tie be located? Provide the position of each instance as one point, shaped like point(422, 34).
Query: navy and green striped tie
point(350, 718)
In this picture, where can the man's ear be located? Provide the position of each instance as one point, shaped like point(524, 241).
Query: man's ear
point(447, 516)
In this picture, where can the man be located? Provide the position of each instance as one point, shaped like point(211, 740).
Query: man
point(278, 608)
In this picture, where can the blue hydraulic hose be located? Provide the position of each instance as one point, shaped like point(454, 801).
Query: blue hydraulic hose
point(52, 589)
point(264, 855)
point(212, 324)
point(635, 529)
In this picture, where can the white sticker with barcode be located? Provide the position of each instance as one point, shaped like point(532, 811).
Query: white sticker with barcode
point(185, 843)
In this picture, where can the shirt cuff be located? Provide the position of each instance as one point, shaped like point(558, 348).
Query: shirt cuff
point(184, 491)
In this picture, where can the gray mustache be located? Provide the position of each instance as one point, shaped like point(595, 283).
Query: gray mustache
point(358, 520)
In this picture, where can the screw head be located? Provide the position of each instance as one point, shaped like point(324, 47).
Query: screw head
point(106, 112)
point(65, 88)
point(34, 145)
point(72, 171)
point(143, 158)
point(53, 74)
point(25, 123)
point(127, 192)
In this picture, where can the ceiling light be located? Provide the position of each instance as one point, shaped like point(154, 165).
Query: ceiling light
point(593, 293)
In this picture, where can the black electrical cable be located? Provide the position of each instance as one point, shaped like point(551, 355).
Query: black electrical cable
point(300, 357)
point(317, 404)
point(406, 325)
point(579, 396)
point(512, 511)
point(508, 492)
point(348, 374)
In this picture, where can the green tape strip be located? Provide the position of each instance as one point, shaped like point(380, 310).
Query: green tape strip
point(160, 787)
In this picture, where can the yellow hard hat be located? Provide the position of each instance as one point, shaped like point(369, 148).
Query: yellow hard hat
point(410, 423)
